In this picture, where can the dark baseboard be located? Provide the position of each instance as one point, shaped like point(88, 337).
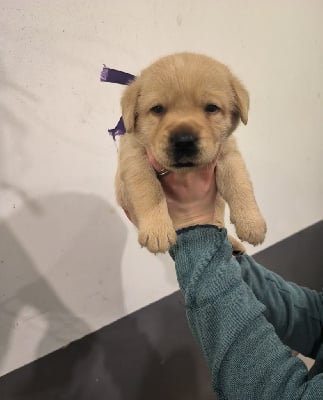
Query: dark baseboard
point(150, 354)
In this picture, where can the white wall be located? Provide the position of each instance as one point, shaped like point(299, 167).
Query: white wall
point(70, 263)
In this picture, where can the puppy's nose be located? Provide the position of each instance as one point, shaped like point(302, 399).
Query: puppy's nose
point(183, 144)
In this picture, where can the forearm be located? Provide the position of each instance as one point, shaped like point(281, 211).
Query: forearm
point(246, 357)
point(295, 312)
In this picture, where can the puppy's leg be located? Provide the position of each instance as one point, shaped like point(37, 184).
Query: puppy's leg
point(141, 194)
point(235, 186)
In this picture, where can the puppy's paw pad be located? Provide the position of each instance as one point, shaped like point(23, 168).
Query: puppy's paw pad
point(157, 239)
point(237, 247)
point(252, 229)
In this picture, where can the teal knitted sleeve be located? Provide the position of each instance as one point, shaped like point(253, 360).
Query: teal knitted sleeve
point(246, 357)
point(296, 312)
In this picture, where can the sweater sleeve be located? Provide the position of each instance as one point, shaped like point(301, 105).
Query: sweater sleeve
point(296, 312)
point(245, 355)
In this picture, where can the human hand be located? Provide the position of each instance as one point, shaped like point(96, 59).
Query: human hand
point(190, 194)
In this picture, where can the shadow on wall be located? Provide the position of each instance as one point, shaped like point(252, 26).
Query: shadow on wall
point(77, 241)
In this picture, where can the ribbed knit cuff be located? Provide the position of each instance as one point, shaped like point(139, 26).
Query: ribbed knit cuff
point(197, 233)
point(195, 248)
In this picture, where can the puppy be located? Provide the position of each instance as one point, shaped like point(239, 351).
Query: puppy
point(183, 109)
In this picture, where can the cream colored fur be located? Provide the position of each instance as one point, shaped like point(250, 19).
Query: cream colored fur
point(184, 84)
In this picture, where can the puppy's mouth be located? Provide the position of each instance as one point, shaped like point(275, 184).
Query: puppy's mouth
point(179, 165)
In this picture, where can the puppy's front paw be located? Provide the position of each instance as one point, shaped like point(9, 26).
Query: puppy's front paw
point(157, 236)
point(250, 227)
point(237, 247)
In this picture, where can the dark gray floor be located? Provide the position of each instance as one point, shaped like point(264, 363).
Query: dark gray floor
point(298, 258)
point(150, 354)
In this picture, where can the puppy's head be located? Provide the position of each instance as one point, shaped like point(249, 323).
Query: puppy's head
point(182, 107)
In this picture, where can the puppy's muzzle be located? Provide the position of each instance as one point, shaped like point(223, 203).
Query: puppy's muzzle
point(183, 145)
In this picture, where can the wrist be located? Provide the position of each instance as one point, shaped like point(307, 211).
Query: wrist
point(182, 223)
point(184, 216)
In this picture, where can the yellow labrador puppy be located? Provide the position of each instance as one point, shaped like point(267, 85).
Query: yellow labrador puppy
point(183, 109)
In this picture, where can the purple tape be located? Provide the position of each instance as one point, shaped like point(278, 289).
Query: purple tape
point(123, 78)
point(115, 76)
point(118, 130)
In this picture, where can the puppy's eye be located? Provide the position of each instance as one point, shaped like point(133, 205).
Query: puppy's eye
point(159, 109)
point(211, 108)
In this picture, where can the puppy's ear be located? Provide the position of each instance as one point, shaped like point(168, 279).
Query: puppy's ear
point(129, 102)
point(242, 98)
